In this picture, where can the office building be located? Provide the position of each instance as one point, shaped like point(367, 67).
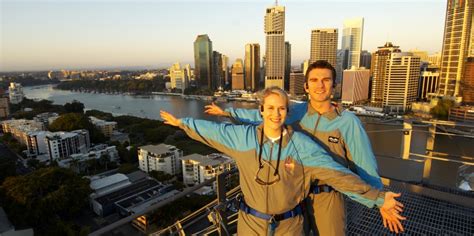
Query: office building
point(252, 66)
point(275, 47)
point(324, 45)
point(203, 56)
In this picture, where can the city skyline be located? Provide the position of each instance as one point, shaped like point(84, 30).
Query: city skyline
point(51, 35)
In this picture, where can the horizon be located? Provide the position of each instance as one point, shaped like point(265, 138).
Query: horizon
point(149, 35)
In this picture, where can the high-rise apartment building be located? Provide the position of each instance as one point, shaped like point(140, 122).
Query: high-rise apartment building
point(401, 81)
point(161, 157)
point(275, 47)
point(203, 61)
point(355, 86)
point(324, 45)
point(457, 46)
point(378, 70)
point(198, 168)
point(287, 65)
point(238, 75)
point(352, 41)
point(252, 66)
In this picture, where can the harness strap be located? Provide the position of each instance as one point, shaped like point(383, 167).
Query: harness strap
point(315, 189)
point(298, 210)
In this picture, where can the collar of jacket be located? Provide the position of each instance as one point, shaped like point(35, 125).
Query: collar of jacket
point(286, 137)
point(330, 115)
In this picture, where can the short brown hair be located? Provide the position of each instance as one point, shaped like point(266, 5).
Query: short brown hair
point(322, 64)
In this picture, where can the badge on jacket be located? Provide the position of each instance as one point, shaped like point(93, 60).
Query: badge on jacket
point(289, 164)
point(332, 139)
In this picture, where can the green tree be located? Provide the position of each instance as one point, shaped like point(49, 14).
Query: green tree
point(74, 107)
point(75, 121)
point(441, 110)
point(47, 194)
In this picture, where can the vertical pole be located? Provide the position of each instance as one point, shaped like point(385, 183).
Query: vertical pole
point(429, 152)
point(179, 229)
point(221, 201)
point(406, 140)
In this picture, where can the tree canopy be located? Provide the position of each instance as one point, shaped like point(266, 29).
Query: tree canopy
point(44, 197)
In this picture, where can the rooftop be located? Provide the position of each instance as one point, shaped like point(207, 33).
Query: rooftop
point(209, 160)
point(158, 149)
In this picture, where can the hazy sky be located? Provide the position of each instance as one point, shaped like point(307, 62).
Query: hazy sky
point(65, 34)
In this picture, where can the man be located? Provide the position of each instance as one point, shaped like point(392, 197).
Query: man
point(340, 132)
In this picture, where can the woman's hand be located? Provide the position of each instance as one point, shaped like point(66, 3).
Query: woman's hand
point(169, 119)
point(214, 110)
point(390, 212)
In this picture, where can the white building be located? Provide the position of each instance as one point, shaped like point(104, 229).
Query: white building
point(162, 157)
point(401, 81)
point(198, 168)
point(46, 118)
point(355, 86)
point(102, 185)
point(78, 161)
point(352, 35)
point(64, 144)
point(105, 127)
point(16, 93)
point(275, 47)
point(178, 77)
point(19, 129)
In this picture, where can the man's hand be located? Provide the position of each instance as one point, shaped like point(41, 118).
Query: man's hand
point(169, 119)
point(390, 212)
point(214, 110)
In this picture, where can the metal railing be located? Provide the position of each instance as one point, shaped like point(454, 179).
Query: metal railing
point(217, 207)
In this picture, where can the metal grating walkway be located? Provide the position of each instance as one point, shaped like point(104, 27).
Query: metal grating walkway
point(425, 216)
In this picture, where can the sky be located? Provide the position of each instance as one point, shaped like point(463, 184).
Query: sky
point(92, 34)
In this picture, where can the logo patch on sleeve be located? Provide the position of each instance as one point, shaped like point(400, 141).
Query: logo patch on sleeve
point(332, 139)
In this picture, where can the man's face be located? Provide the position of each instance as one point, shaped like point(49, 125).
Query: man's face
point(320, 85)
point(274, 111)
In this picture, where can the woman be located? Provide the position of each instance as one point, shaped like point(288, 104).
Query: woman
point(276, 166)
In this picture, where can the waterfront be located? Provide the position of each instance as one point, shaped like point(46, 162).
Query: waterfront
point(386, 145)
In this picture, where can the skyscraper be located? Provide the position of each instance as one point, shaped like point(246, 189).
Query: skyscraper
point(203, 61)
point(287, 65)
point(252, 66)
point(378, 69)
point(401, 81)
point(275, 46)
point(456, 45)
point(355, 86)
point(217, 79)
point(225, 71)
point(324, 45)
point(352, 41)
point(238, 75)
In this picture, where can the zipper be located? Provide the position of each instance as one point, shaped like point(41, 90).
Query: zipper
point(316, 125)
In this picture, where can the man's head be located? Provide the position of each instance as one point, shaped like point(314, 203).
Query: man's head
point(320, 81)
point(273, 107)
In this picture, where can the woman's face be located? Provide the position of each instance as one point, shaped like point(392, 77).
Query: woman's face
point(274, 111)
